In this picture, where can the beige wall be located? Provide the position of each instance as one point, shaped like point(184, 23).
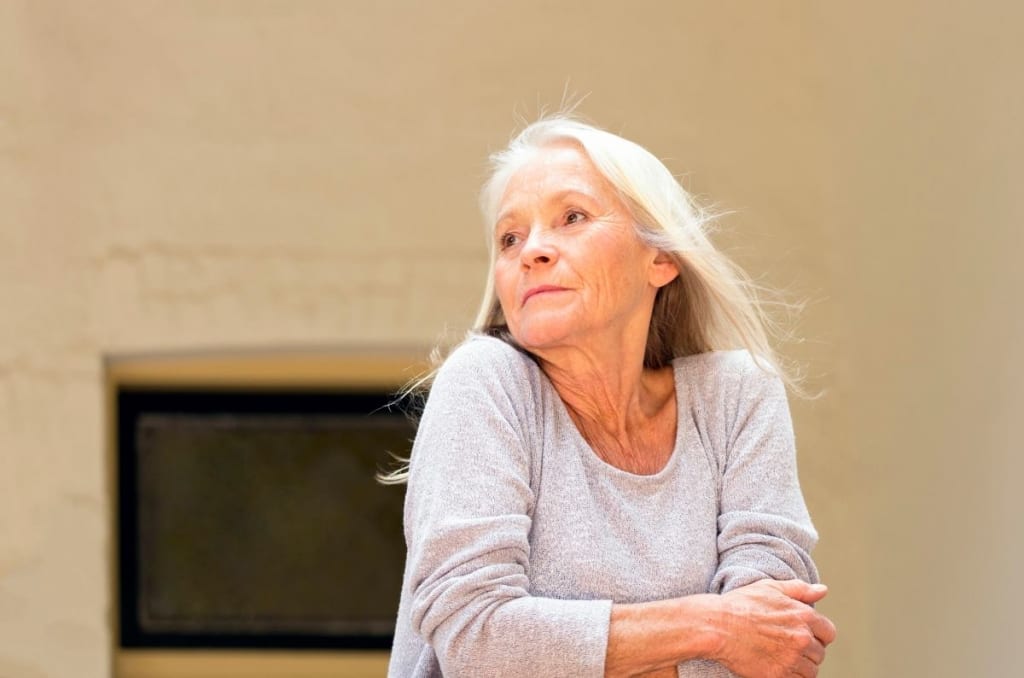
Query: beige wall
point(181, 176)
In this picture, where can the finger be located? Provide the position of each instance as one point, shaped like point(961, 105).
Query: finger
point(815, 652)
point(823, 629)
point(801, 590)
point(805, 668)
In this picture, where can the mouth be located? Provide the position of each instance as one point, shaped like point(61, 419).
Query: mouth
point(542, 289)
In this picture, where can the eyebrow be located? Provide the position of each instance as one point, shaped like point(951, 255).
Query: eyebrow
point(555, 197)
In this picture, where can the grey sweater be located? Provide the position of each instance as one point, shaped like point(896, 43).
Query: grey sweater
point(520, 538)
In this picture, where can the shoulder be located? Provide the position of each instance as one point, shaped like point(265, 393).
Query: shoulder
point(481, 352)
point(481, 402)
point(730, 392)
point(487, 368)
point(718, 366)
point(733, 378)
point(480, 357)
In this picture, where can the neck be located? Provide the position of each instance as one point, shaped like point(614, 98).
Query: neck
point(605, 387)
point(625, 413)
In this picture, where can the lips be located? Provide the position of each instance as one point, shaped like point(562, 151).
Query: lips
point(541, 289)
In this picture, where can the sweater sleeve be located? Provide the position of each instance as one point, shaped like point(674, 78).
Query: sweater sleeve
point(468, 509)
point(764, 530)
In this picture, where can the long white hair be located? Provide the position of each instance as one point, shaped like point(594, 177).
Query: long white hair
point(711, 305)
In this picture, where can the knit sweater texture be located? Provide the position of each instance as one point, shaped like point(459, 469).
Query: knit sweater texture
point(520, 538)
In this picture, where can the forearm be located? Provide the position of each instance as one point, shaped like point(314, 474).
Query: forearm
point(522, 637)
point(646, 637)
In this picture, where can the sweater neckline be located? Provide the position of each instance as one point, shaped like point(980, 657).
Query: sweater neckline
point(590, 455)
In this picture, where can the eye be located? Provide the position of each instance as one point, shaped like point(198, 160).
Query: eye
point(508, 240)
point(574, 217)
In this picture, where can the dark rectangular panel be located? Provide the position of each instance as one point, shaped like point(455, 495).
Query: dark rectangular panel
point(258, 522)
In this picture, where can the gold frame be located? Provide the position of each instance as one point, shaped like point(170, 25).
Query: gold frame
point(277, 369)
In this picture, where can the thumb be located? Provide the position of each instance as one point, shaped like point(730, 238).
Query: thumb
point(802, 591)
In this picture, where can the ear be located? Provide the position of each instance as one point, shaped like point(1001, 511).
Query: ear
point(663, 270)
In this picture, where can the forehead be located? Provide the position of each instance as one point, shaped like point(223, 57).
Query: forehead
point(552, 171)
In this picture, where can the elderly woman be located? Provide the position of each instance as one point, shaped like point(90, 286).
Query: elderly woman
point(604, 480)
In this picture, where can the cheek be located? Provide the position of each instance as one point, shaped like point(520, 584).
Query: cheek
point(621, 273)
point(612, 260)
point(504, 286)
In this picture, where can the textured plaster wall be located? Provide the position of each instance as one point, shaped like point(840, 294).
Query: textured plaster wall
point(924, 107)
point(193, 175)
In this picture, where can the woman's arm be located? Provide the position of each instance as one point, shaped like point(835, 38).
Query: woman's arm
point(764, 529)
point(468, 508)
point(645, 637)
point(765, 571)
point(765, 629)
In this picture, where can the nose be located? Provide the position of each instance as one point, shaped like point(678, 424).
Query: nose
point(538, 249)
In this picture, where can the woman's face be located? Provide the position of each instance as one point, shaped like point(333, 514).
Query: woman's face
point(570, 268)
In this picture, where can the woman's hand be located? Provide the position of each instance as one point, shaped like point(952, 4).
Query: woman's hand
point(771, 630)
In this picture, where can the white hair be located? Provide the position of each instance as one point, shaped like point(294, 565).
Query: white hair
point(711, 305)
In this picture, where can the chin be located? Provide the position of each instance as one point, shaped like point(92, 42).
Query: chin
point(540, 337)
